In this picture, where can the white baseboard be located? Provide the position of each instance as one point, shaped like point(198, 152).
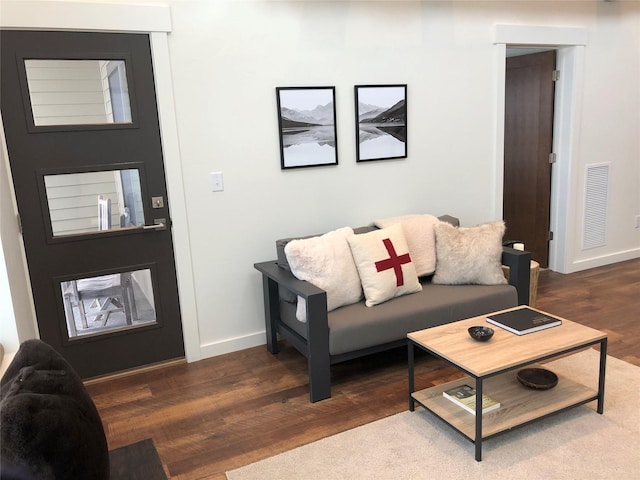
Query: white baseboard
point(233, 344)
point(603, 260)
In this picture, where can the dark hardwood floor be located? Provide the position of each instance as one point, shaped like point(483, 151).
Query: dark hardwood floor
point(224, 412)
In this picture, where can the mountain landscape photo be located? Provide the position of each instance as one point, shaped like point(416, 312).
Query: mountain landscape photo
point(308, 135)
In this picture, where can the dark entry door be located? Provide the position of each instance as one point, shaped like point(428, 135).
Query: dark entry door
point(528, 143)
point(82, 132)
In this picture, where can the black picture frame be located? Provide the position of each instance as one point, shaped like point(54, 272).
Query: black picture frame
point(381, 122)
point(307, 126)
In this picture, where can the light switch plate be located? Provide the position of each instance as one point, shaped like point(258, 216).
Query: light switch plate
point(217, 184)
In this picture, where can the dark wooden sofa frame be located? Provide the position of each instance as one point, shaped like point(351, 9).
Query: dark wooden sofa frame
point(316, 346)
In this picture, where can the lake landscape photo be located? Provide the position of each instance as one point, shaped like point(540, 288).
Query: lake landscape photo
point(382, 122)
point(307, 127)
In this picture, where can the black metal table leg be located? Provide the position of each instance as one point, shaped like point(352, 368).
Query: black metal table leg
point(603, 365)
point(478, 439)
point(411, 383)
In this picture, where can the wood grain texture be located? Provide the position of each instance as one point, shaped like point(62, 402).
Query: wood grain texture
point(505, 349)
point(221, 413)
point(517, 405)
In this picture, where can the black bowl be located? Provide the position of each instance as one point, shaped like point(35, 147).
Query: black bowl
point(482, 334)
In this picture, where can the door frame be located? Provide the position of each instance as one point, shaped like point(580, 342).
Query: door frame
point(156, 21)
point(570, 43)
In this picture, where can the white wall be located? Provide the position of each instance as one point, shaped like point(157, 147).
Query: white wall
point(228, 56)
point(238, 52)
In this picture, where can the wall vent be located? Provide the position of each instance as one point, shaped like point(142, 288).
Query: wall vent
point(595, 206)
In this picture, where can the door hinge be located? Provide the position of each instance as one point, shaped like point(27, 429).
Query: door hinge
point(555, 75)
point(19, 222)
point(550, 235)
point(552, 158)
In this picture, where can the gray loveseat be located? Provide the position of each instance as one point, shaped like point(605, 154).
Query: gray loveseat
point(356, 330)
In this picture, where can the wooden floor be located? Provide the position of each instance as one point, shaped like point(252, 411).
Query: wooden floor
point(224, 412)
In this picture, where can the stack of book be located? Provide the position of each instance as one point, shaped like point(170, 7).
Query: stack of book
point(465, 397)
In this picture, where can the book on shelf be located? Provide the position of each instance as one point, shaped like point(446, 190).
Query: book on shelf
point(465, 397)
point(524, 320)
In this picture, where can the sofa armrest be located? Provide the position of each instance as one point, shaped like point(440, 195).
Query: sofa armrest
point(285, 278)
point(317, 341)
point(519, 263)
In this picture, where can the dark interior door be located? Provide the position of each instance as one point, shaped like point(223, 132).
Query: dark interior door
point(84, 146)
point(528, 144)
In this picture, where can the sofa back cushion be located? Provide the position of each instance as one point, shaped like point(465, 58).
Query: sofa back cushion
point(281, 256)
point(419, 231)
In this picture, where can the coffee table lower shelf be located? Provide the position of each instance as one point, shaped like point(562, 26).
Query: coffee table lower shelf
point(518, 405)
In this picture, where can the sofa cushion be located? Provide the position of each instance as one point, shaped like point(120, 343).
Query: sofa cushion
point(469, 255)
point(421, 240)
point(384, 264)
point(49, 426)
point(326, 262)
point(356, 327)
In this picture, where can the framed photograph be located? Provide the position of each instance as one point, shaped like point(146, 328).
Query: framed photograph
point(381, 122)
point(307, 125)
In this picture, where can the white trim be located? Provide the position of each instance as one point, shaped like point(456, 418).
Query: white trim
point(568, 106)
point(14, 258)
point(602, 260)
point(233, 344)
point(85, 16)
point(539, 35)
point(564, 180)
point(175, 187)
point(500, 59)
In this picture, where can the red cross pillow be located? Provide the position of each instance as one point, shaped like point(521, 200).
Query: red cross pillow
point(384, 264)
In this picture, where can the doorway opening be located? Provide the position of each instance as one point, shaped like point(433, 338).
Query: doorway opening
point(530, 77)
point(569, 45)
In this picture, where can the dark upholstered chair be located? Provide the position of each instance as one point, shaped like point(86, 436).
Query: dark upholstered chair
point(49, 426)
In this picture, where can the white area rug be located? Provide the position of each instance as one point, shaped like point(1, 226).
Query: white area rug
point(578, 443)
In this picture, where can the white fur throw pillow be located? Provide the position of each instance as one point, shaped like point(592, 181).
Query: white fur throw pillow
point(470, 255)
point(384, 264)
point(326, 262)
point(419, 231)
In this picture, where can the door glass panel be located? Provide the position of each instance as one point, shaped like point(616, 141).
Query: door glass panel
point(78, 92)
point(103, 304)
point(88, 202)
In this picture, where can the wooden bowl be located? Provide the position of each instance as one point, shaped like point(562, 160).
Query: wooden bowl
point(537, 378)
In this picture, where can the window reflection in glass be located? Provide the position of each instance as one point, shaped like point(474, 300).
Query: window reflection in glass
point(88, 202)
point(102, 304)
point(78, 92)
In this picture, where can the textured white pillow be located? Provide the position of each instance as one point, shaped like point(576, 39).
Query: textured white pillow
point(384, 264)
point(326, 262)
point(471, 255)
point(419, 231)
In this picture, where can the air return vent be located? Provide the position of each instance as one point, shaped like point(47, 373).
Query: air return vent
point(595, 206)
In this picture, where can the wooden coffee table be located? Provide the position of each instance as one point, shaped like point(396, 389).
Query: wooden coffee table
point(491, 367)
